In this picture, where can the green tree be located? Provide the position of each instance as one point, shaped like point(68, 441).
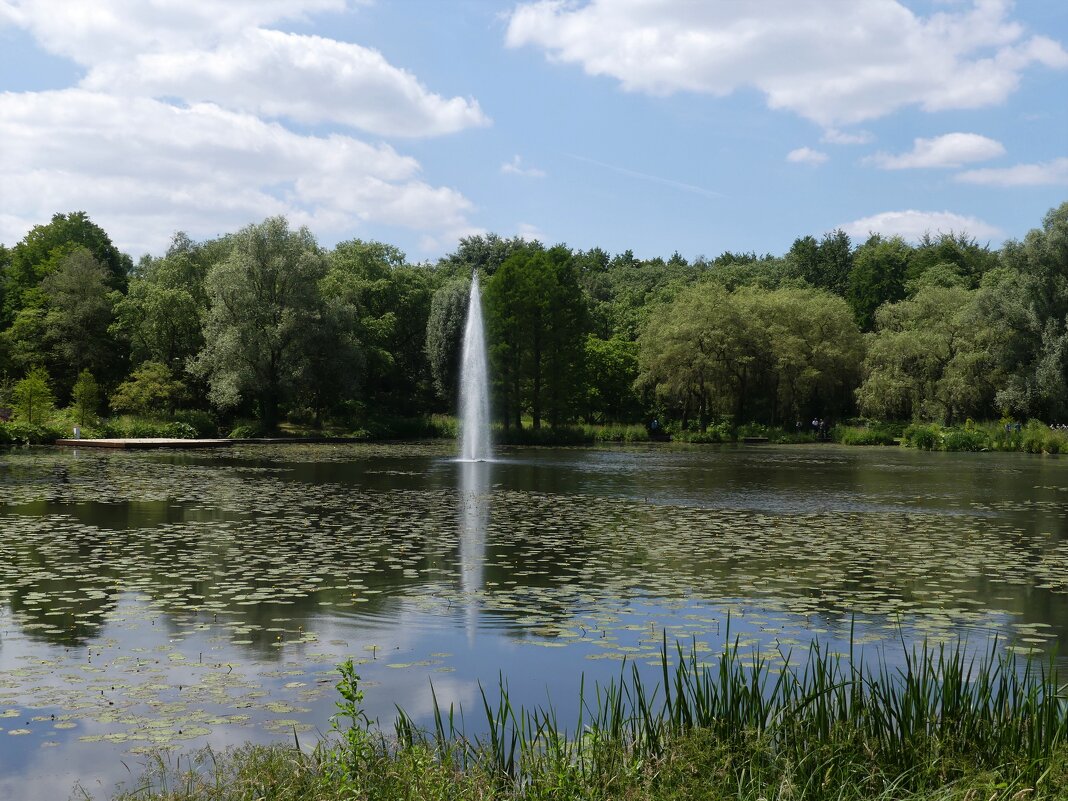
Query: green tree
point(150, 390)
point(390, 305)
point(161, 312)
point(40, 252)
point(956, 251)
point(264, 299)
point(34, 400)
point(611, 370)
point(536, 322)
point(79, 311)
point(444, 337)
point(481, 253)
point(880, 268)
point(696, 355)
point(752, 354)
point(85, 397)
point(1027, 301)
point(932, 357)
point(835, 263)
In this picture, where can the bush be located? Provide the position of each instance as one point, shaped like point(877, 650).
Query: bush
point(247, 431)
point(617, 433)
point(1037, 437)
point(719, 432)
point(965, 439)
point(925, 436)
point(558, 435)
point(863, 435)
point(17, 432)
point(204, 423)
point(142, 428)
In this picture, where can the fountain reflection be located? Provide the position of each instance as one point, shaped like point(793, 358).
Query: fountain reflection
point(474, 513)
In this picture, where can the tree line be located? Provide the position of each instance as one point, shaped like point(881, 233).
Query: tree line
point(265, 324)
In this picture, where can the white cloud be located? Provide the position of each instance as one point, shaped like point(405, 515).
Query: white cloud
point(305, 78)
point(1050, 173)
point(107, 30)
point(530, 233)
point(847, 62)
point(172, 125)
point(515, 167)
point(949, 150)
point(912, 225)
point(806, 155)
point(143, 168)
point(836, 137)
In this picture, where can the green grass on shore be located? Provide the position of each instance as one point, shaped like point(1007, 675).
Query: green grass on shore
point(947, 724)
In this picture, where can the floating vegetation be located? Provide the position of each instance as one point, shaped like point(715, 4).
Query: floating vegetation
point(149, 599)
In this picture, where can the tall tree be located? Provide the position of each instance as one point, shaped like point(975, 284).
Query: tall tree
point(390, 304)
point(932, 357)
point(536, 321)
point(444, 337)
point(880, 268)
point(481, 253)
point(79, 311)
point(44, 247)
point(264, 299)
point(1029, 302)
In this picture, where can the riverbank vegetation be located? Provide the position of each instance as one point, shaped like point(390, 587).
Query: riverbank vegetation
point(948, 723)
point(265, 330)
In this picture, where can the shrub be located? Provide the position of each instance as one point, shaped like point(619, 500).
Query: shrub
point(925, 436)
point(18, 432)
point(616, 433)
point(863, 435)
point(34, 401)
point(142, 428)
point(965, 439)
point(204, 423)
point(246, 431)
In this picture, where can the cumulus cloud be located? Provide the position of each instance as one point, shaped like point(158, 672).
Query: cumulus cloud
point(515, 167)
point(306, 78)
point(143, 168)
point(836, 137)
point(949, 150)
point(530, 233)
point(848, 62)
point(181, 121)
point(911, 225)
point(107, 30)
point(806, 155)
point(1050, 173)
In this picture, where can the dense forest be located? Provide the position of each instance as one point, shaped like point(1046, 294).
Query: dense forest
point(265, 327)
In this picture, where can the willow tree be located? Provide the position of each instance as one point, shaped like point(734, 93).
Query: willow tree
point(264, 306)
point(752, 354)
point(933, 356)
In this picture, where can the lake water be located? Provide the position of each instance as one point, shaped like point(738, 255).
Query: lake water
point(176, 599)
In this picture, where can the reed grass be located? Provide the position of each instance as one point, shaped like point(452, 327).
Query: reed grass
point(945, 722)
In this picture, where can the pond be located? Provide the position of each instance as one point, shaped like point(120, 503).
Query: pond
point(174, 599)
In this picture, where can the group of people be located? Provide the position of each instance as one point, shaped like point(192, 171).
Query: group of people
point(820, 427)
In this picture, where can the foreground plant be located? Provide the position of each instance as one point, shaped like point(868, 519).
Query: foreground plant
point(947, 723)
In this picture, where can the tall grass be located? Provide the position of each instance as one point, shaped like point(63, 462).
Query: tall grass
point(944, 722)
point(828, 723)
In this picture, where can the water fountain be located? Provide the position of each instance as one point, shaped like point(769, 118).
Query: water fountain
point(474, 384)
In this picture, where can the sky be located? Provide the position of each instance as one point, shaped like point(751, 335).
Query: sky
point(695, 126)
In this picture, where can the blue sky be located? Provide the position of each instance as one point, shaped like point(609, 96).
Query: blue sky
point(655, 125)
